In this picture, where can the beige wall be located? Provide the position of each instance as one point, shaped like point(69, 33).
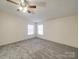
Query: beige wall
point(12, 28)
point(62, 30)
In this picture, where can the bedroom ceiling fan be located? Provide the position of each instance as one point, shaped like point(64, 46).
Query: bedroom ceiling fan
point(27, 5)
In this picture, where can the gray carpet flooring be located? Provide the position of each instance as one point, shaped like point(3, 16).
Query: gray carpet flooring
point(37, 48)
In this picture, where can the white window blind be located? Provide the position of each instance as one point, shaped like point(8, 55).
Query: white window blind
point(30, 29)
point(40, 29)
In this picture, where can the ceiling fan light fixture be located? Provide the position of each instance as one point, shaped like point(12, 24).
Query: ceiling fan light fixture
point(25, 9)
point(22, 1)
point(20, 8)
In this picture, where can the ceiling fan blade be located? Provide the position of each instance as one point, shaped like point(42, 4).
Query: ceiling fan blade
point(32, 6)
point(28, 11)
point(12, 2)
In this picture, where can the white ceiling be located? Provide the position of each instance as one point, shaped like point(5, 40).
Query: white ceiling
point(53, 9)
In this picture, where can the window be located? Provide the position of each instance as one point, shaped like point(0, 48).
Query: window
point(36, 29)
point(30, 29)
point(40, 29)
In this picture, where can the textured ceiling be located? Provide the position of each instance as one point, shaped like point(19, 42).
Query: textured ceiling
point(53, 9)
